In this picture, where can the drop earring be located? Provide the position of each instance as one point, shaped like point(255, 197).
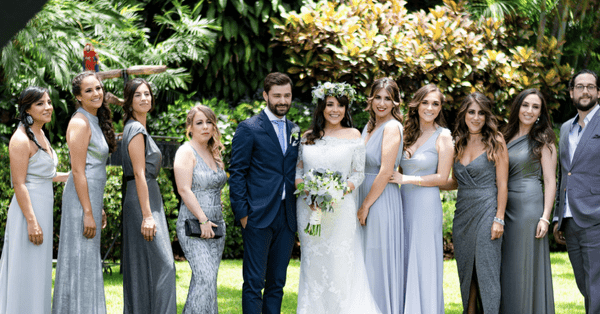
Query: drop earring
point(28, 119)
point(538, 120)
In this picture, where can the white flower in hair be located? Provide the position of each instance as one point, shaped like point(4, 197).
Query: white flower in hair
point(321, 91)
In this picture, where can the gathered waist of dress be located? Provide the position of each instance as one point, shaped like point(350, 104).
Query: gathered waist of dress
point(477, 187)
point(37, 181)
point(148, 177)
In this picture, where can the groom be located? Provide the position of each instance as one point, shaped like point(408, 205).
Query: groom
point(577, 211)
point(262, 171)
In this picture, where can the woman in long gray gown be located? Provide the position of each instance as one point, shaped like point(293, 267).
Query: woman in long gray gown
point(380, 201)
point(426, 163)
point(526, 275)
point(26, 264)
point(79, 286)
point(481, 173)
point(148, 264)
point(199, 175)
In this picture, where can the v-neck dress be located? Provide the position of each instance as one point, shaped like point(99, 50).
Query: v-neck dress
point(203, 255)
point(526, 274)
point(26, 268)
point(424, 250)
point(148, 266)
point(383, 235)
point(475, 253)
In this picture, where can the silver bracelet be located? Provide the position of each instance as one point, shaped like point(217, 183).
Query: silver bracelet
point(498, 220)
point(545, 220)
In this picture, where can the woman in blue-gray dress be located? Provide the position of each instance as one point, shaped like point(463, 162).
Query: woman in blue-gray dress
point(426, 163)
point(526, 275)
point(380, 201)
point(79, 286)
point(481, 173)
point(148, 264)
point(199, 174)
point(26, 264)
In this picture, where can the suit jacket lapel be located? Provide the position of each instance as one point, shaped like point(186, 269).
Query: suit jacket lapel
point(288, 131)
point(589, 129)
point(564, 145)
point(268, 126)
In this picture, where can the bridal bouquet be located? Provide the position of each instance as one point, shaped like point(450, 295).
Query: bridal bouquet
point(323, 188)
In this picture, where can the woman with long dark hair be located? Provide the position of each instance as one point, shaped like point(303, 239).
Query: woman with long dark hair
point(426, 163)
point(79, 286)
point(481, 173)
point(380, 201)
point(526, 274)
point(199, 175)
point(333, 277)
point(26, 263)
point(148, 264)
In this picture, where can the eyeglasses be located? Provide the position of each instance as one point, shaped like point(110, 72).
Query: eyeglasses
point(580, 87)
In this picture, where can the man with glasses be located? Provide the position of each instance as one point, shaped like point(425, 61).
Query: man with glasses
point(577, 211)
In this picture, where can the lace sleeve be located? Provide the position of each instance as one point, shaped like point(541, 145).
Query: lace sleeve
point(300, 163)
point(357, 174)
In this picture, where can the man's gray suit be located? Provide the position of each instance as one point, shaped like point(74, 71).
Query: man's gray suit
point(580, 178)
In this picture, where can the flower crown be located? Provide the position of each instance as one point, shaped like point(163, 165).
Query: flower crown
point(333, 89)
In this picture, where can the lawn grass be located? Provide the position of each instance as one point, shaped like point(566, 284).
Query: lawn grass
point(567, 298)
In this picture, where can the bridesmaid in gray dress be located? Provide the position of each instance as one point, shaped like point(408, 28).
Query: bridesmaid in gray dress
point(481, 173)
point(79, 286)
point(200, 177)
point(426, 163)
point(148, 264)
point(380, 201)
point(26, 264)
point(526, 276)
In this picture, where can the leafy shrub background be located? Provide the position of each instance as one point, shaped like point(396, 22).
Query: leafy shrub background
point(358, 41)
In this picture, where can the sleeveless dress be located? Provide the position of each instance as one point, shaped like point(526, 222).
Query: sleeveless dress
point(333, 278)
point(424, 250)
point(26, 268)
point(79, 286)
point(204, 255)
point(383, 235)
point(476, 254)
point(148, 266)
point(526, 276)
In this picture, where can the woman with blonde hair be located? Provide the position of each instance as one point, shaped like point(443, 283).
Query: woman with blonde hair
point(200, 176)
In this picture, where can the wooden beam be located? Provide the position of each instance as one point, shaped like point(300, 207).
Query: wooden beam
point(134, 70)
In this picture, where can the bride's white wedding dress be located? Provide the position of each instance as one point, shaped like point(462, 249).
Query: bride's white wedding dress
point(333, 278)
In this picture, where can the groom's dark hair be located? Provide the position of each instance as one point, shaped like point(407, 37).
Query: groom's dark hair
point(276, 78)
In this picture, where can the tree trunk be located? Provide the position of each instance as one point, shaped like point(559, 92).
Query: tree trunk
point(542, 26)
point(563, 26)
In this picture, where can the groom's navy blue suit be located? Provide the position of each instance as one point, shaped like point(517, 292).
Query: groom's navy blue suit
point(259, 170)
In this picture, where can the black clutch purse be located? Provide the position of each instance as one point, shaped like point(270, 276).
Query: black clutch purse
point(192, 229)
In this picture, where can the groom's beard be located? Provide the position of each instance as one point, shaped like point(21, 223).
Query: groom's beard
point(279, 109)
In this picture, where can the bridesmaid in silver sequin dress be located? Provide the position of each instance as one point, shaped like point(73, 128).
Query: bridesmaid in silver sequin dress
point(79, 286)
point(148, 264)
point(26, 264)
point(200, 177)
point(481, 173)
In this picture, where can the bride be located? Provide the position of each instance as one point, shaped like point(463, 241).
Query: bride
point(333, 278)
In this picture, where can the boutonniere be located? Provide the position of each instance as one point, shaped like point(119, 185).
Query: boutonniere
point(295, 136)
